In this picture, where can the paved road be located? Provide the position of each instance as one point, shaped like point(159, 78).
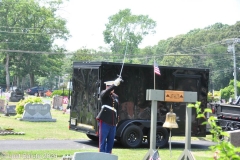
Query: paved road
point(11, 145)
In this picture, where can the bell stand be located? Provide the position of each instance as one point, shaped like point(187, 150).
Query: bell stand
point(154, 95)
point(176, 96)
point(187, 154)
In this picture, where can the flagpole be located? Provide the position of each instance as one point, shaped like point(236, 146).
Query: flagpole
point(154, 73)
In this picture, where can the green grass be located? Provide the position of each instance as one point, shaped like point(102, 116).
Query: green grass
point(123, 154)
point(59, 130)
point(52, 130)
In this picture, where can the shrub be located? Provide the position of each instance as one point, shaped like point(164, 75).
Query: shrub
point(60, 93)
point(223, 150)
point(20, 105)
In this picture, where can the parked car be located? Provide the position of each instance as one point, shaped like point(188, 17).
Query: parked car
point(36, 90)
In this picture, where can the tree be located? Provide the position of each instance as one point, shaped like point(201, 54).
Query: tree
point(228, 91)
point(177, 60)
point(127, 30)
point(28, 25)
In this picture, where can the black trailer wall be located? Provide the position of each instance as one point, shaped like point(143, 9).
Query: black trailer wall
point(139, 78)
point(89, 78)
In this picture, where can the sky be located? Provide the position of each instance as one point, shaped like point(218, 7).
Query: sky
point(86, 19)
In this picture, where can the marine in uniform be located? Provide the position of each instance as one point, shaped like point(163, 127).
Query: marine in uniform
point(107, 116)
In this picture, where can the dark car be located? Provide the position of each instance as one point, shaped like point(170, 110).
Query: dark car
point(36, 90)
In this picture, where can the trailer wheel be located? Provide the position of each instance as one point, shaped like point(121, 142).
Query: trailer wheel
point(162, 137)
point(132, 137)
point(94, 138)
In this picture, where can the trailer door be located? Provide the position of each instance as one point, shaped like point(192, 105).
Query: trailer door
point(85, 99)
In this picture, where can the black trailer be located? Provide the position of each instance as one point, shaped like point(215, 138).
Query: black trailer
point(228, 115)
point(134, 112)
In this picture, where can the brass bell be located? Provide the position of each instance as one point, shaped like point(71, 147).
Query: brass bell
point(170, 121)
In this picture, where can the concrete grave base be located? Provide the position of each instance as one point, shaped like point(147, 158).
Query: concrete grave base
point(37, 120)
point(94, 156)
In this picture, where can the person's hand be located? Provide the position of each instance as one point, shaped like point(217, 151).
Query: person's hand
point(117, 81)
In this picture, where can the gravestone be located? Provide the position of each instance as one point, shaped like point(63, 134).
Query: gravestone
point(57, 102)
point(10, 110)
point(234, 137)
point(94, 156)
point(2, 105)
point(16, 95)
point(36, 112)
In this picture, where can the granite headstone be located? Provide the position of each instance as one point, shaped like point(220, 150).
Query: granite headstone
point(10, 110)
point(2, 105)
point(57, 102)
point(36, 112)
point(94, 156)
point(234, 137)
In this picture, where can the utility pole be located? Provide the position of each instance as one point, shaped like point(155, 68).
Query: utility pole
point(231, 48)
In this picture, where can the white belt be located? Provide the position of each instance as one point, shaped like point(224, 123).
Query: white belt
point(109, 107)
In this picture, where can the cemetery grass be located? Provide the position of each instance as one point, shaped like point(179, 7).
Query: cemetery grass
point(40, 130)
point(53, 130)
point(59, 130)
point(122, 153)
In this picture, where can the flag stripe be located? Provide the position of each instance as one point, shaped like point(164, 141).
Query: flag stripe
point(156, 69)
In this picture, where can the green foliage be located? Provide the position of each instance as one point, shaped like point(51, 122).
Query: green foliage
point(223, 149)
point(125, 29)
point(31, 26)
point(215, 97)
point(60, 93)
point(228, 91)
point(20, 105)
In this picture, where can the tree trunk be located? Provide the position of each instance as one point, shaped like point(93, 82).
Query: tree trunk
point(31, 76)
point(18, 82)
point(7, 73)
point(22, 83)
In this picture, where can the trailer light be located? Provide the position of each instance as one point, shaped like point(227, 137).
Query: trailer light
point(85, 126)
point(73, 121)
point(213, 110)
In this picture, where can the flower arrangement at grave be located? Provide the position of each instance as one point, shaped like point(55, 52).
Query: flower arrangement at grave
point(9, 131)
point(20, 105)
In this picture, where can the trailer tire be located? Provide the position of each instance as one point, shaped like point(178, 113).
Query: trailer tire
point(162, 137)
point(132, 137)
point(93, 138)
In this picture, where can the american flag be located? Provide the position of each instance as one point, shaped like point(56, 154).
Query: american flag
point(156, 69)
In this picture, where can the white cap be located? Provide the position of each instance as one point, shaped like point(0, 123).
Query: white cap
point(109, 83)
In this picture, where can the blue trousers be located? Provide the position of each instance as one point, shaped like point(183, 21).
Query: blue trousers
point(106, 137)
